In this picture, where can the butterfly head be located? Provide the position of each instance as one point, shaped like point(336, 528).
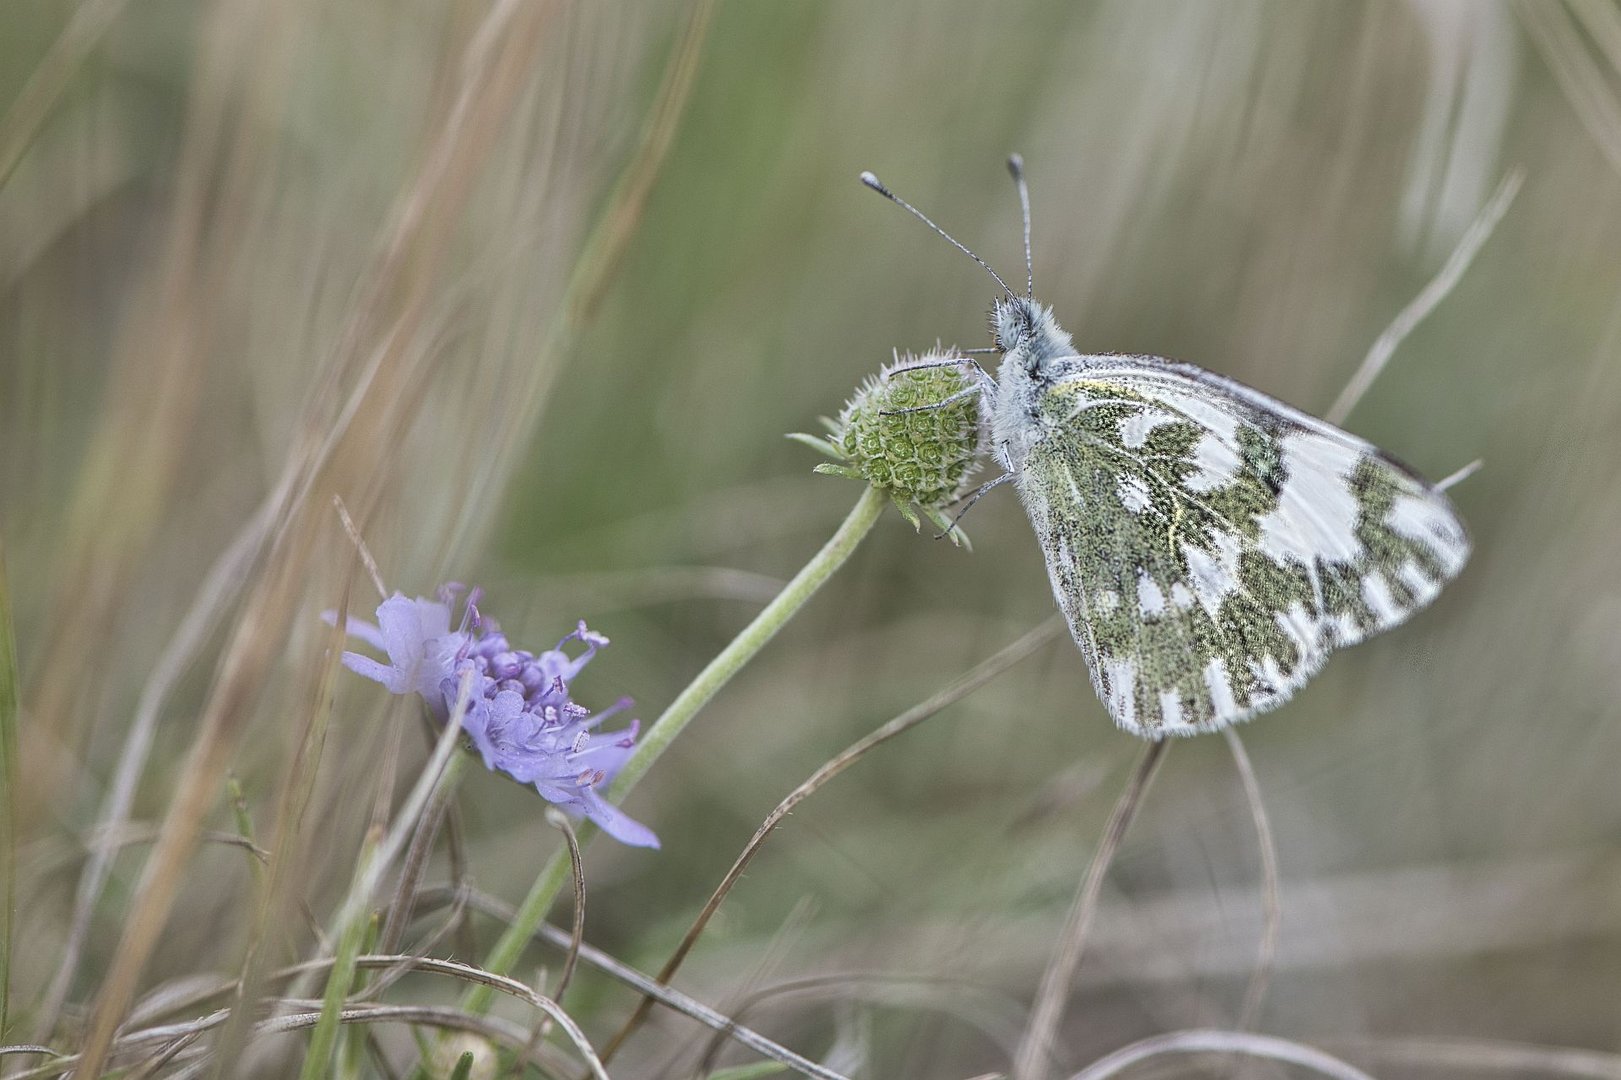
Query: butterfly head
point(1027, 333)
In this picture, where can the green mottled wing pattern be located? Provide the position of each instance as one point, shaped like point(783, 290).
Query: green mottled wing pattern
point(1209, 545)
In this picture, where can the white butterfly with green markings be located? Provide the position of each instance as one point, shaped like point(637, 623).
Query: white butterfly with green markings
point(1208, 544)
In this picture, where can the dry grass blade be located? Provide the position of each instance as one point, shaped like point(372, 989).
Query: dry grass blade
point(366, 558)
point(605, 245)
point(629, 198)
point(643, 983)
point(150, 1067)
point(1458, 476)
point(1384, 347)
point(418, 246)
point(8, 780)
point(999, 1019)
point(1222, 1042)
point(495, 1029)
point(297, 786)
point(28, 112)
point(411, 871)
point(956, 691)
point(1476, 1056)
point(441, 772)
point(1271, 907)
point(377, 855)
point(202, 620)
point(190, 1029)
point(160, 363)
point(741, 999)
point(559, 821)
point(1584, 83)
point(1035, 1049)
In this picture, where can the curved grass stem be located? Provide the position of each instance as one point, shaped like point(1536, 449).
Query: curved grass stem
point(663, 731)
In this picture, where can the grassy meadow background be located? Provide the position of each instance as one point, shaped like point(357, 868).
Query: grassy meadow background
point(538, 287)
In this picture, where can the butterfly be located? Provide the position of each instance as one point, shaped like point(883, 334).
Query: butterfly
point(1208, 545)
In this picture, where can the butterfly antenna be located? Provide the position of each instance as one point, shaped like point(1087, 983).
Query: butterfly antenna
point(1015, 165)
point(877, 185)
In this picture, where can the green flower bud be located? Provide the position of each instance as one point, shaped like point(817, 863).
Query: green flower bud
point(925, 458)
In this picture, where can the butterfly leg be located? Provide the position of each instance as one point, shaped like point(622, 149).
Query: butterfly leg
point(960, 395)
point(981, 376)
point(973, 497)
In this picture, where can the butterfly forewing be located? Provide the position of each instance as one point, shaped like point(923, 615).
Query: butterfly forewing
point(1210, 545)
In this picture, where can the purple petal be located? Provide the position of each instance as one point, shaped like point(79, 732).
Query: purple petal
point(354, 627)
point(371, 669)
point(611, 820)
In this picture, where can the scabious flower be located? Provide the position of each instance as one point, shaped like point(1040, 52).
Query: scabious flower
point(913, 431)
point(519, 714)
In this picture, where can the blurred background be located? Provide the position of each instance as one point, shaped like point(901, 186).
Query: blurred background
point(537, 288)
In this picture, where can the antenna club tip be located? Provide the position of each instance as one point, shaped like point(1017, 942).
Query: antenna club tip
point(873, 182)
point(1015, 165)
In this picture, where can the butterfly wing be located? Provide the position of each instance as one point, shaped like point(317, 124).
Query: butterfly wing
point(1210, 545)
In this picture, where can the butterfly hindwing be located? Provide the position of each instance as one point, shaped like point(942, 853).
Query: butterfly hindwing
point(1209, 545)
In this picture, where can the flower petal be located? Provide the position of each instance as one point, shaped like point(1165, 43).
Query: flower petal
point(617, 824)
point(371, 669)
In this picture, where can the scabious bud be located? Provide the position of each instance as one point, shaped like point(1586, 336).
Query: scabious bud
point(922, 458)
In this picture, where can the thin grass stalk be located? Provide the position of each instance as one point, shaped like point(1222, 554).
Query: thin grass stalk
point(244, 827)
point(559, 821)
point(324, 1036)
point(503, 956)
point(51, 77)
point(8, 806)
point(1222, 1042)
point(1472, 1057)
point(352, 1042)
point(890, 990)
point(958, 689)
point(247, 662)
point(419, 245)
point(120, 496)
point(641, 982)
point(442, 772)
point(604, 249)
point(296, 790)
point(440, 1016)
point(1035, 1049)
point(199, 625)
point(416, 863)
point(1271, 904)
point(1428, 298)
point(1585, 84)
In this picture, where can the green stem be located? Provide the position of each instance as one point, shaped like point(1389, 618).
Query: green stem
point(554, 875)
point(324, 1038)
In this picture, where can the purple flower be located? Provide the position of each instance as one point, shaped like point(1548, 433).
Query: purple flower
point(519, 713)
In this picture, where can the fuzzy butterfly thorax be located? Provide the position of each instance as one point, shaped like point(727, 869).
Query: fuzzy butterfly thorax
point(1033, 348)
point(1028, 334)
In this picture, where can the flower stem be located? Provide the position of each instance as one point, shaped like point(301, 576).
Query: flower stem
point(664, 730)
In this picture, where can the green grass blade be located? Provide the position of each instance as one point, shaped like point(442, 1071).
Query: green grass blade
point(324, 1037)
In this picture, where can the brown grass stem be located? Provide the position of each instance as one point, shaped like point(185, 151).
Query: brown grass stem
point(1036, 1048)
point(957, 690)
point(1271, 905)
point(639, 981)
point(1222, 1042)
